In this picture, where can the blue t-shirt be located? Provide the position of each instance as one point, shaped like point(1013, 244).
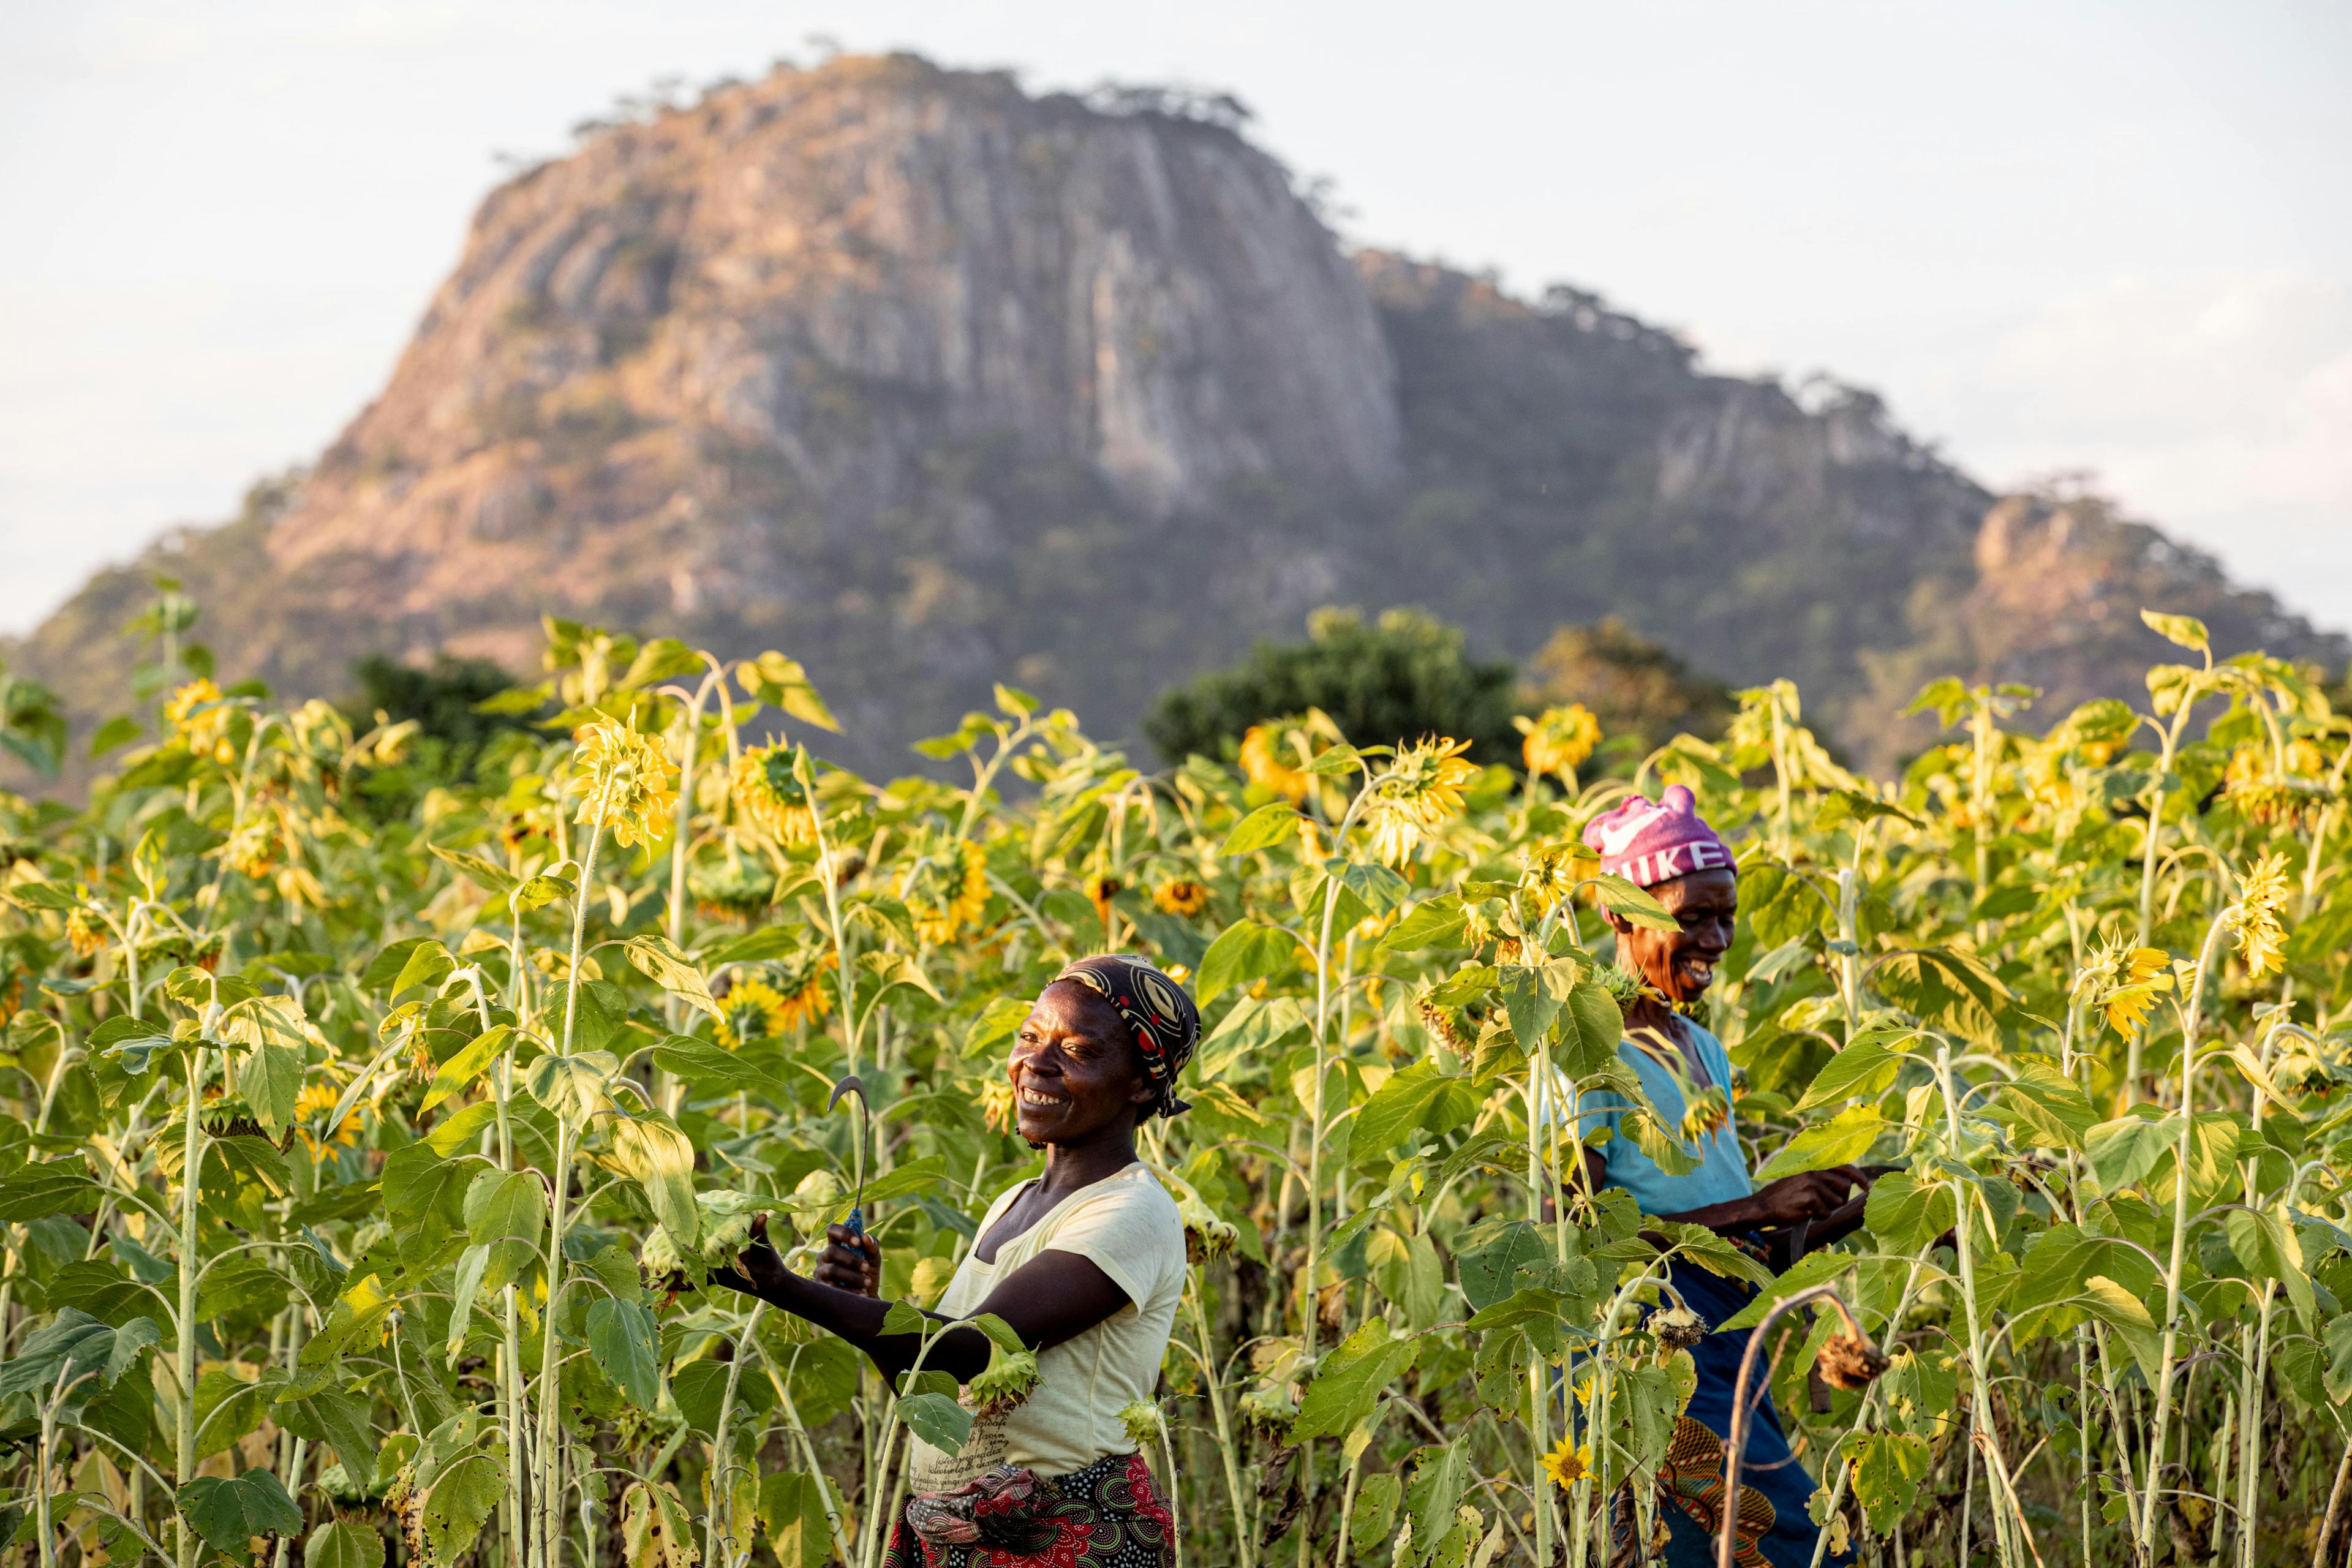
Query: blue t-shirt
point(1722, 1174)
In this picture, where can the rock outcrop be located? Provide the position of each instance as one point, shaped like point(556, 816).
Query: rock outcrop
point(931, 383)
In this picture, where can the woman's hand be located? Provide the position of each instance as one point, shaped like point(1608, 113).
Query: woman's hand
point(851, 1261)
point(1808, 1195)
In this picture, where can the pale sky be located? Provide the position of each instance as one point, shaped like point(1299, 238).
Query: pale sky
point(2058, 235)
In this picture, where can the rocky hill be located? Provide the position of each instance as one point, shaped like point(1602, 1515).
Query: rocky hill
point(930, 383)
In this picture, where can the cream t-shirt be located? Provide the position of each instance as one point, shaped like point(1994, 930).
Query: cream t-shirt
point(1128, 1227)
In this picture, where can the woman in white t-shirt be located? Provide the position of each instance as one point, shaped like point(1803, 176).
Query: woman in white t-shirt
point(1086, 1263)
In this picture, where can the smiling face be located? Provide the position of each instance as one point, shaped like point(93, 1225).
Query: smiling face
point(1681, 964)
point(1074, 1071)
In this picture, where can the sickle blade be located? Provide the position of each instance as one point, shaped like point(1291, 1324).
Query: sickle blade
point(851, 1084)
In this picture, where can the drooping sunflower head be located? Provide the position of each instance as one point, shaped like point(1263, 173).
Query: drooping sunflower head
point(752, 1010)
point(731, 890)
point(1554, 870)
point(1101, 888)
point(1264, 765)
point(1558, 738)
point(200, 714)
point(2261, 940)
point(1005, 1382)
point(1422, 788)
point(622, 780)
point(766, 784)
point(996, 1104)
point(801, 981)
point(252, 849)
point(1708, 1112)
point(2125, 981)
point(944, 885)
point(85, 935)
point(1144, 1422)
point(1625, 987)
point(2270, 790)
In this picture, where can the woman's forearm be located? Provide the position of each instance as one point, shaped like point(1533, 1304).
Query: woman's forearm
point(962, 1353)
point(1734, 1218)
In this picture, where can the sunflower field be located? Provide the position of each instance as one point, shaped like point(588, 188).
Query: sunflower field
point(359, 1123)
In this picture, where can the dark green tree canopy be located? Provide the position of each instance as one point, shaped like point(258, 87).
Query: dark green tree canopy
point(1399, 678)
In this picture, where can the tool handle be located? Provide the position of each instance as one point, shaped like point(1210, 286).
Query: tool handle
point(857, 1219)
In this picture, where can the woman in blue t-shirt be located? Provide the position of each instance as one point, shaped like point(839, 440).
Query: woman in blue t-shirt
point(1669, 849)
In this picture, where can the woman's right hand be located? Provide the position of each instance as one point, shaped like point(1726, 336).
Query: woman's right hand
point(851, 1261)
point(1808, 1195)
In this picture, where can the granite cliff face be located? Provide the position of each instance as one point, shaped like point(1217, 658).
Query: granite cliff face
point(930, 383)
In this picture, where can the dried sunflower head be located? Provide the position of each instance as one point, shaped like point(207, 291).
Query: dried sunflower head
point(1678, 1328)
point(1850, 1361)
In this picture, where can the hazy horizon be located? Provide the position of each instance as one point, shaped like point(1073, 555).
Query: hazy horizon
point(2087, 236)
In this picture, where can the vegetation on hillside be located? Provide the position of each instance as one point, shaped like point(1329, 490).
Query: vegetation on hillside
point(1393, 679)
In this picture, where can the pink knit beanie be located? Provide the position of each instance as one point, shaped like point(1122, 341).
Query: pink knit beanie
point(1647, 843)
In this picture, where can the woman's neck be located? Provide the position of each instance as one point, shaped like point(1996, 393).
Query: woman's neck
point(1649, 1013)
point(1084, 1162)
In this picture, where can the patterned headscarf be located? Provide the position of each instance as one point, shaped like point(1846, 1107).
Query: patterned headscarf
point(1166, 1025)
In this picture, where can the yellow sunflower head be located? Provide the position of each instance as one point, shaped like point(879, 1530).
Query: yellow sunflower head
point(2261, 940)
point(1101, 888)
point(2125, 983)
point(85, 935)
point(252, 849)
point(315, 1104)
point(801, 983)
point(199, 712)
point(1569, 1462)
point(1181, 897)
point(944, 885)
point(622, 780)
point(1263, 763)
point(1558, 738)
point(1420, 789)
point(766, 784)
point(752, 1010)
point(1555, 869)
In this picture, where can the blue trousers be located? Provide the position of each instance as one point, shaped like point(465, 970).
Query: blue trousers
point(1766, 1466)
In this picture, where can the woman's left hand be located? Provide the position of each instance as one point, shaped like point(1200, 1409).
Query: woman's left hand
point(852, 1261)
